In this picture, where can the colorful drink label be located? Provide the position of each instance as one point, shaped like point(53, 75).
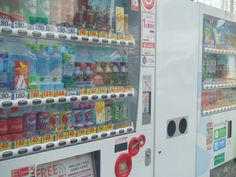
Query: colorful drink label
point(21, 79)
point(43, 123)
point(89, 118)
point(55, 122)
point(30, 122)
point(15, 125)
point(3, 126)
point(100, 112)
point(78, 119)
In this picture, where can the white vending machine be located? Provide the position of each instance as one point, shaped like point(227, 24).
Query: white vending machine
point(77, 88)
point(216, 143)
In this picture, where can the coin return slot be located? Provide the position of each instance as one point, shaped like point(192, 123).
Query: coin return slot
point(22, 102)
point(50, 146)
point(36, 101)
point(37, 148)
point(22, 151)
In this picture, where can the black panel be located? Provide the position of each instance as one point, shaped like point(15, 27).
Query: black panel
point(121, 147)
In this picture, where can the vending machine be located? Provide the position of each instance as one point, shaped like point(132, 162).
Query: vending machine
point(216, 143)
point(176, 88)
point(77, 87)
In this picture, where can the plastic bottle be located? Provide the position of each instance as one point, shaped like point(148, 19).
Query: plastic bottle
point(43, 126)
point(55, 119)
point(29, 8)
point(43, 11)
point(55, 65)
point(78, 115)
point(42, 64)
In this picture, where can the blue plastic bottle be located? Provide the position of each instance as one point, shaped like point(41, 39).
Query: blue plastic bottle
point(55, 65)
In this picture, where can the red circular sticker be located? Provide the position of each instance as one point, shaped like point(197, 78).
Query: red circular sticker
point(149, 4)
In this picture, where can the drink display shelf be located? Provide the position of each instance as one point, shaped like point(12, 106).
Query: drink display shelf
point(219, 85)
point(62, 99)
point(207, 112)
point(220, 51)
point(63, 37)
point(8, 154)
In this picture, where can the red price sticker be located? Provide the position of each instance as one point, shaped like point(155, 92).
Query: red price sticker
point(35, 94)
point(60, 93)
point(21, 172)
point(71, 134)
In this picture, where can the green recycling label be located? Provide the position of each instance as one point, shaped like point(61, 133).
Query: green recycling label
point(220, 133)
point(219, 158)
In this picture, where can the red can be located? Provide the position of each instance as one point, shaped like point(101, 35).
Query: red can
point(15, 125)
point(3, 126)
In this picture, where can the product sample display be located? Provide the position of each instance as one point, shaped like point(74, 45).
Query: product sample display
point(71, 82)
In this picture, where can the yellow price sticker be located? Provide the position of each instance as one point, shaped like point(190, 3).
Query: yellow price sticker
point(34, 140)
point(101, 128)
point(91, 130)
point(109, 127)
point(47, 138)
point(60, 136)
point(20, 143)
point(81, 132)
point(5, 146)
point(71, 134)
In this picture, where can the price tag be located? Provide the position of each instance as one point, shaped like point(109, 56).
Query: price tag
point(101, 128)
point(91, 130)
point(93, 33)
point(20, 143)
point(5, 146)
point(49, 93)
point(71, 93)
point(30, 27)
point(34, 140)
point(71, 30)
point(5, 96)
point(5, 22)
point(61, 136)
point(71, 134)
point(61, 29)
point(83, 32)
point(47, 138)
point(81, 132)
point(36, 94)
point(40, 27)
point(19, 24)
point(50, 28)
point(20, 95)
point(109, 127)
point(60, 93)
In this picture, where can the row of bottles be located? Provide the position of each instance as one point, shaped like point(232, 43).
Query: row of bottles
point(97, 15)
point(17, 123)
point(43, 65)
point(218, 98)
